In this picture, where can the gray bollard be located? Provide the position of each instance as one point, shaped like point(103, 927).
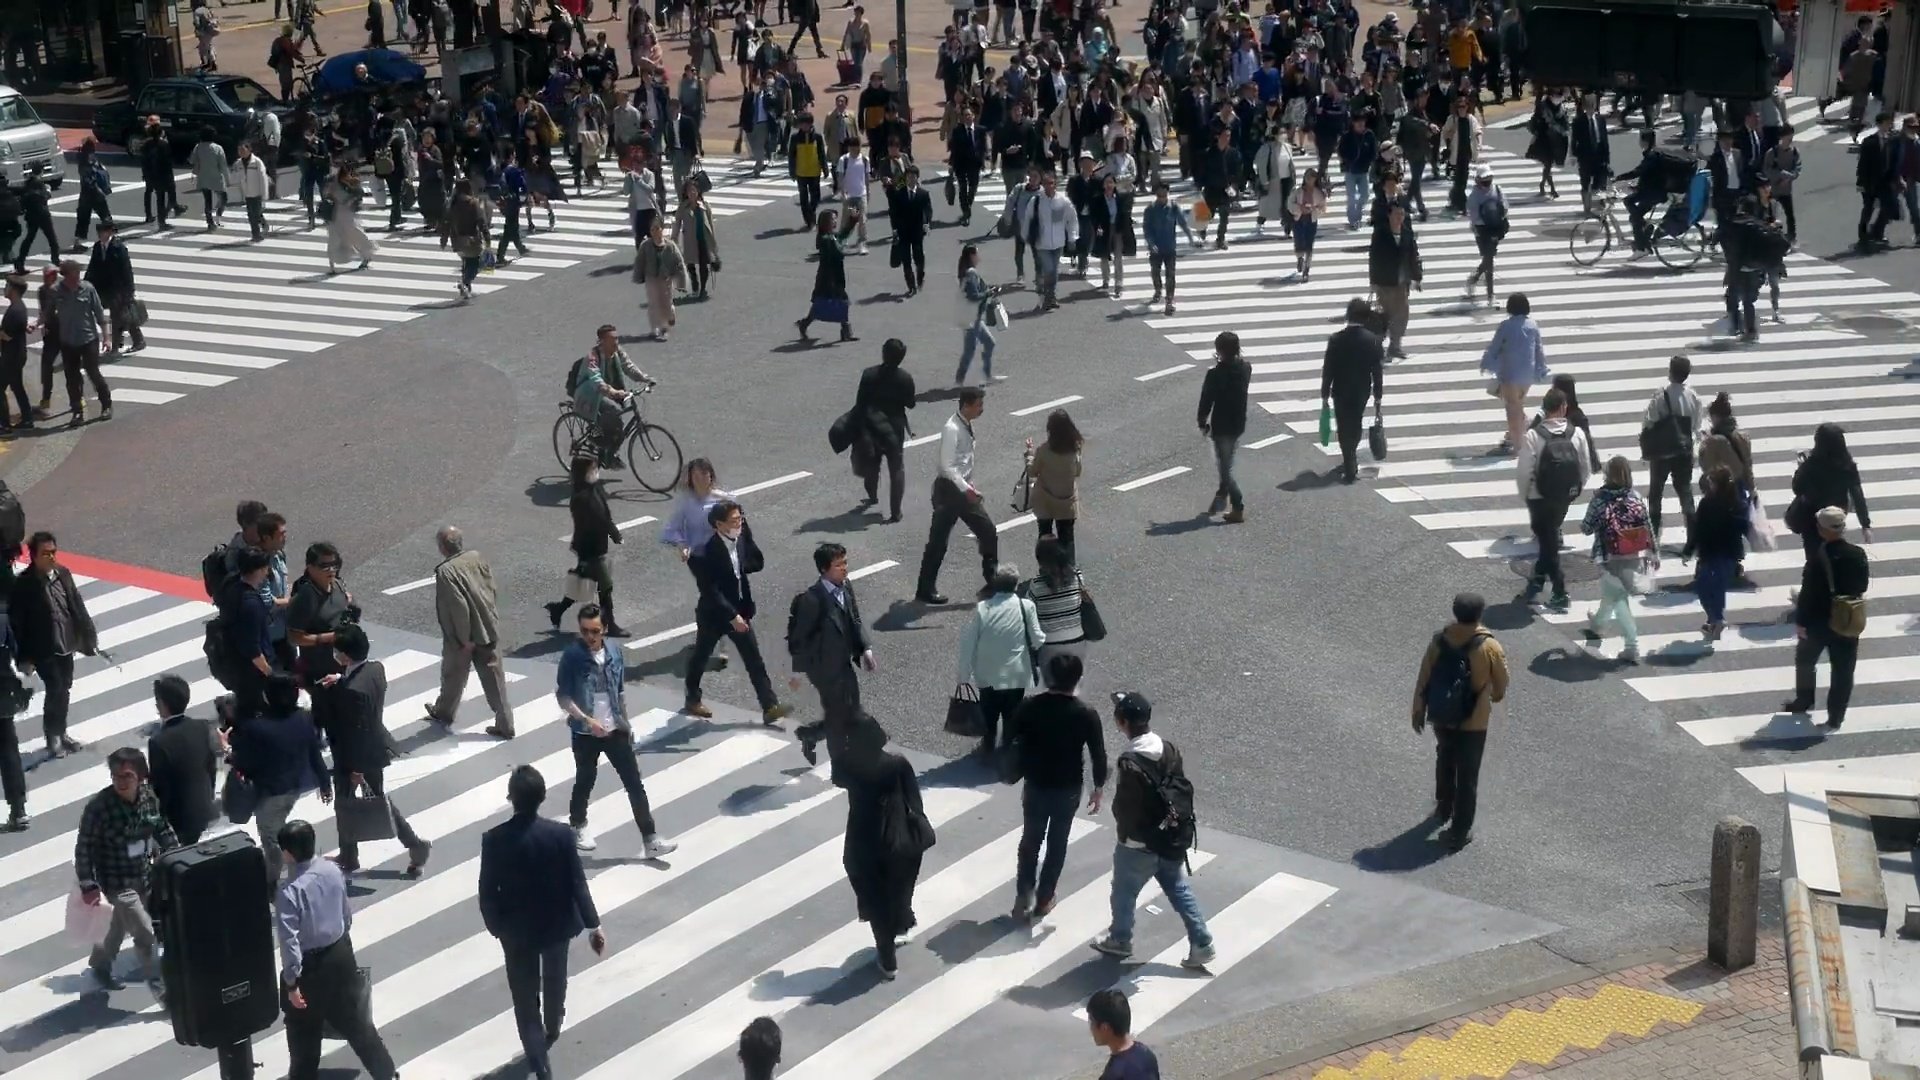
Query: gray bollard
point(1733, 897)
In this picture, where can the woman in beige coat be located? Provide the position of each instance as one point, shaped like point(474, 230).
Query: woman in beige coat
point(694, 233)
point(661, 271)
point(1053, 469)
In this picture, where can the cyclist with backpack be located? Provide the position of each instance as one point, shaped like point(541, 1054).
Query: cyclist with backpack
point(599, 385)
point(1616, 518)
point(1462, 675)
point(1553, 471)
point(1153, 817)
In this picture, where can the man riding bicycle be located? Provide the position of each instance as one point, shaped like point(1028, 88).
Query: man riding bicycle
point(600, 385)
point(1660, 173)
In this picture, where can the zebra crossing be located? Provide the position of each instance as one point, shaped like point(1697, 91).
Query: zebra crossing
point(220, 305)
point(1845, 348)
point(750, 917)
point(1803, 116)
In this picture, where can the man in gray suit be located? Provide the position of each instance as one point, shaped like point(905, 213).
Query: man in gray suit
point(828, 642)
point(468, 605)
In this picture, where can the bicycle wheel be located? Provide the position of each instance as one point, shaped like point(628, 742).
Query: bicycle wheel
point(1591, 238)
point(1680, 251)
point(569, 431)
point(654, 456)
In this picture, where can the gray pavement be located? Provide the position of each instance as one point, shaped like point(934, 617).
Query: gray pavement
point(1280, 653)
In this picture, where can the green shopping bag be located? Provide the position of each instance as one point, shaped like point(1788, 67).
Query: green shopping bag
point(1326, 423)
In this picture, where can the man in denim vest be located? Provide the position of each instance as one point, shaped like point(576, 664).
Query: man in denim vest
point(590, 689)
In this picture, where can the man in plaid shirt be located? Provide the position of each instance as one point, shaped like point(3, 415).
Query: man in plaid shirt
point(121, 830)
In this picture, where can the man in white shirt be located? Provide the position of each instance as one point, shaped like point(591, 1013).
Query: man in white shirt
point(956, 499)
point(1049, 224)
point(854, 170)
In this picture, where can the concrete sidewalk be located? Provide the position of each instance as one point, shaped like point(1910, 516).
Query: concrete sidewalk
point(1680, 1018)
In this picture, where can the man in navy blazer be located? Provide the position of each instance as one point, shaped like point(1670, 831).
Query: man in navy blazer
point(534, 898)
point(721, 568)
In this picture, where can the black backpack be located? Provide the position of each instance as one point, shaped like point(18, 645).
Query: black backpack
point(1493, 219)
point(573, 375)
point(1450, 697)
point(1169, 828)
point(213, 570)
point(1767, 246)
point(1557, 472)
point(1675, 172)
point(1666, 436)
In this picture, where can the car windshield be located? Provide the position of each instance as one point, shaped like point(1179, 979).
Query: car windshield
point(242, 94)
point(17, 112)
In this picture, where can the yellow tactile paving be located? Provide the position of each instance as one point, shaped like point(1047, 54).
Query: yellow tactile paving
point(1482, 1052)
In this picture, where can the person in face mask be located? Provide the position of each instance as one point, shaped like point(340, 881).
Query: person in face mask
point(721, 567)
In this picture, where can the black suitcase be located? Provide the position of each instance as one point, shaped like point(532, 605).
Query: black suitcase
point(212, 904)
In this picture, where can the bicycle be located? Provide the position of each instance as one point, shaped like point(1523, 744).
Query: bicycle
point(652, 451)
point(1678, 246)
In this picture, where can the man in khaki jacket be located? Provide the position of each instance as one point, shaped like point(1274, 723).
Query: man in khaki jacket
point(1459, 746)
point(468, 606)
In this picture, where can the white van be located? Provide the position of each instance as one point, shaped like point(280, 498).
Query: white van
point(26, 141)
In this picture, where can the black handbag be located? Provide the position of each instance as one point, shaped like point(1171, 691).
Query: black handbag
point(951, 185)
point(238, 797)
point(361, 818)
point(964, 717)
point(1092, 626)
point(1377, 437)
point(896, 252)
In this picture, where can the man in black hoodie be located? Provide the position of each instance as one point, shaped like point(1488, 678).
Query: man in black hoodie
point(1834, 569)
point(1223, 418)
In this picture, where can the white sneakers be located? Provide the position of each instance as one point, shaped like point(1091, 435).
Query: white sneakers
point(581, 841)
point(657, 848)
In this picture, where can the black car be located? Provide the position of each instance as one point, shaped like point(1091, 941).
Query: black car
point(187, 105)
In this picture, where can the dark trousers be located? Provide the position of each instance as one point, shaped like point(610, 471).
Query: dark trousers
point(1456, 774)
point(913, 259)
point(810, 26)
point(839, 692)
point(91, 203)
point(212, 204)
point(706, 638)
point(537, 977)
point(510, 234)
point(896, 458)
point(257, 217)
point(1658, 470)
point(996, 708)
point(1048, 818)
point(120, 313)
point(376, 785)
point(1786, 208)
point(1842, 652)
point(161, 197)
point(1743, 289)
point(618, 747)
point(1349, 423)
point(1060, 529)
point(56, 680)
point(13, 377)
point(329, 981)
point(1488, 246)
point(951, 505)
point(37, 225)
point(1877, 208)
point(1545, 517)
point(1158, 262)
point(13, 778)
point(968, 182)
point(1457, 195)
point(1416, 172)
point(809, 196)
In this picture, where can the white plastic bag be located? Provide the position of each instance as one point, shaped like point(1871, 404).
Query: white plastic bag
point(581, 589)
point(1759, 529)
point(87, 923)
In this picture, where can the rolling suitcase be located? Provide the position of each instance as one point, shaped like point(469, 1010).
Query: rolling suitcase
point(211, 901)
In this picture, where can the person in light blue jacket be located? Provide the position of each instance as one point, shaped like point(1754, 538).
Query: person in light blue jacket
point(997, 650)
point(1516, 360)
point(590, 689)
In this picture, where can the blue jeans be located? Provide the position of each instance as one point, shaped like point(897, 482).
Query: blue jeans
point(1048, 813)
point(1046, 273)
point(1132, 869)
point(1710, 581)
point(857, 54)
point(979, 335)
point(469, 269)
point(1356, 185)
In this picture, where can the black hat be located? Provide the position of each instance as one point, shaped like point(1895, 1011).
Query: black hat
point(1133, 707)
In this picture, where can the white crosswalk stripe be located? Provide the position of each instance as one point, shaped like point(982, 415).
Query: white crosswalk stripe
point(220, 305)
point(758, 875)
point(1803, 115)
point(1846, 349)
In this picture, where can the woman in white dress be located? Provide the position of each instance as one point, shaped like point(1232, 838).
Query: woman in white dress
point(345, 238)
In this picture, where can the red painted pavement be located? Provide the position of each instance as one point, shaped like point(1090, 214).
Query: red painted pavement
point(186, 588)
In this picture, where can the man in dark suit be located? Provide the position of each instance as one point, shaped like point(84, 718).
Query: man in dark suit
point(1876, 175)
point(1351, 373)
point(911, 210)
point(361, 747)
point(1729, 175)
point(1834, 568)
point(1592, 151)
point(534, 898)
point(110, 272)
point(183, 761)
point(966, 156)
point(721, 568)
point(828, 641)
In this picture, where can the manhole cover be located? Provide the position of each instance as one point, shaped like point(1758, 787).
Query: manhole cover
point(1871, 322)
point(1577, 568)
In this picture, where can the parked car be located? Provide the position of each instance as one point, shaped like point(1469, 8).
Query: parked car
point(186, 105)
point(26, 141)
